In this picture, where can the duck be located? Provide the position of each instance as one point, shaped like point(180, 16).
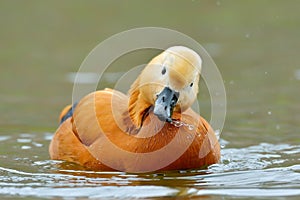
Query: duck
point(152, 128)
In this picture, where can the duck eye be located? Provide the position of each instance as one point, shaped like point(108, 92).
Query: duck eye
point(191, 85)
point(163, 71)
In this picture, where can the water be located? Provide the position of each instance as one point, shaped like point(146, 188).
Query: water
point(255, 44)
point(263, 170)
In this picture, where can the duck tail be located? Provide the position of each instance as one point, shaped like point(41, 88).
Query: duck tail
point(66, 112)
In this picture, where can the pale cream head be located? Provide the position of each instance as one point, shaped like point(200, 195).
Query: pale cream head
point(177, 68)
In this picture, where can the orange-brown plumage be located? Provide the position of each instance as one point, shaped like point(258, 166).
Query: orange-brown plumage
point(112, 131)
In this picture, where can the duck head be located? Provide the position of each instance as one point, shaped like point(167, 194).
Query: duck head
point(169, 83)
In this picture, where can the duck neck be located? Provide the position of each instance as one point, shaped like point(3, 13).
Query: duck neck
point(138, 108)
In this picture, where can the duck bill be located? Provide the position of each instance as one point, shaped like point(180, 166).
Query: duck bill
point(165, 103)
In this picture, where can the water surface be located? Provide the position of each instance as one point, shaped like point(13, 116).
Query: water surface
point(263, 170)
point(255, 44)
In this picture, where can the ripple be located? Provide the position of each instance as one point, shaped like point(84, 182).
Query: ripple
point(24, 140)
point(24, 147)
point(243, 192)
point(100, 192)
point(4, 137)
point(263, 170)
point(48, 136)
point(255, 157)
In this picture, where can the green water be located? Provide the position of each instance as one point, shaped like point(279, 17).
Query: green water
point(255, 44)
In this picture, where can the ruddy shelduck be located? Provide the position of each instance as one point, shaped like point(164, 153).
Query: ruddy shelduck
point(153, 128)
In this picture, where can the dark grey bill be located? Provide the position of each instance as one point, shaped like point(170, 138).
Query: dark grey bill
point(165, 104)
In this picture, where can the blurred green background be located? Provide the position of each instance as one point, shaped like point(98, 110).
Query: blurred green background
point(255, 44)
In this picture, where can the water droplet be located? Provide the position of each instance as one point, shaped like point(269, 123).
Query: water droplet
point(189, 137)
point(218, 133)
point(180, 123)
point(177, 123)
point(190, 127)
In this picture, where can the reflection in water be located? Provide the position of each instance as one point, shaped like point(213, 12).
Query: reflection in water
point(259, 170)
